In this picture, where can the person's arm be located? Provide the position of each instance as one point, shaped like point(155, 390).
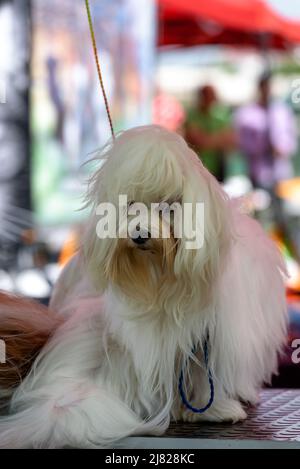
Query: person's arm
point(221, 140)
point(283, 131)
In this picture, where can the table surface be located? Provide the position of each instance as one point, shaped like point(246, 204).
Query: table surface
point(276, 419)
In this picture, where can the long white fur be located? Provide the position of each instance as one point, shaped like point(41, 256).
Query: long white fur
point(111, 370)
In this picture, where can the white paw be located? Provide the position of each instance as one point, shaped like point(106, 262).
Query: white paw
point(192, 417)
point(225, 410)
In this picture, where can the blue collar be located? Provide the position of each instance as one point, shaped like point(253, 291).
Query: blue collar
point(211, 385)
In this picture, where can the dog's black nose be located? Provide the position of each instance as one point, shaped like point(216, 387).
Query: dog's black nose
point(141, 239)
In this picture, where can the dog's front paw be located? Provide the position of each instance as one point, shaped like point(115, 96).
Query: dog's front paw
point(192, 417)
point(225, 410)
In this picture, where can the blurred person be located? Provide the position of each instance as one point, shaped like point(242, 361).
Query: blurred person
point(267, 136)
point(55, 95)
point(208, 130)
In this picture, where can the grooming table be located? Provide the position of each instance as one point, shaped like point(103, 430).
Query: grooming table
point(274, 423)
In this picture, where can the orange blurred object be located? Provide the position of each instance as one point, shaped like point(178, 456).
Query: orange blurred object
point(289, 189)
point(168, 112)
point(69, 248)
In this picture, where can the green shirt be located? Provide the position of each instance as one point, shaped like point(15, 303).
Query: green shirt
point(218, 118)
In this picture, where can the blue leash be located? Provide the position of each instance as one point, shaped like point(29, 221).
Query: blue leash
point(211, 385)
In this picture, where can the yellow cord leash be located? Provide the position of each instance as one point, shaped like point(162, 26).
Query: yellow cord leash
point(98, 67)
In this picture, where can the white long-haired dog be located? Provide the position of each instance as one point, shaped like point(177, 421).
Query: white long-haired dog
point(134, 313)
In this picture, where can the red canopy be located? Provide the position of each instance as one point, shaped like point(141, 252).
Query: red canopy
point(239, 22)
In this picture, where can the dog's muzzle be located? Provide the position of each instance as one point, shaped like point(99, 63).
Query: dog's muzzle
point(142, 238)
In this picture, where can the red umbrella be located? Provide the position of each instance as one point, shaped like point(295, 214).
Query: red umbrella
point(235, 22)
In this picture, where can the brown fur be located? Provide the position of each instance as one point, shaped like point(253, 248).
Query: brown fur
point(25, 327)
point(132, 269)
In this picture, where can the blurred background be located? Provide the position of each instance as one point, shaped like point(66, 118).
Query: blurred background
point(225, 74)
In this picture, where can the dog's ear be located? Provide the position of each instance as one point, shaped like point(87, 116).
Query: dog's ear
point(97, 254)
point(92, 256)
point(96, 250)
point(201, 262)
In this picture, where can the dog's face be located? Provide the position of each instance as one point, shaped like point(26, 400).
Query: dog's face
point(152, 258)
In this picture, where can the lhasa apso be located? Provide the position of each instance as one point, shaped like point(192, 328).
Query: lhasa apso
point(135, 311)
